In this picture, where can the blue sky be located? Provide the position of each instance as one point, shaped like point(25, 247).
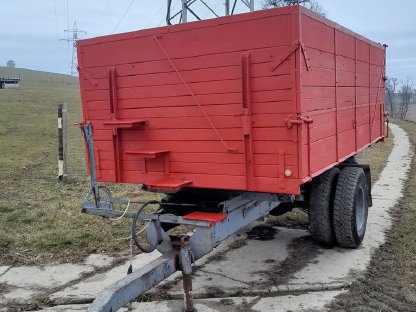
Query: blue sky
point(31, 37)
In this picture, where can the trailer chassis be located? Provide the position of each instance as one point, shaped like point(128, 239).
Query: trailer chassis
point(209, 229)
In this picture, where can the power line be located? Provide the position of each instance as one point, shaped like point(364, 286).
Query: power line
point(103, 11)
point(73, 37)
point(56, 19)
point(124, 15)
point(148, 23)
point(67, 16)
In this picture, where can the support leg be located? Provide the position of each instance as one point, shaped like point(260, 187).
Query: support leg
point(186, 261)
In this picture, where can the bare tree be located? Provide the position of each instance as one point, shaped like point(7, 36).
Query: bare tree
point(406, 93)
point(391, 84)
point(11, 64)
point(313, 5)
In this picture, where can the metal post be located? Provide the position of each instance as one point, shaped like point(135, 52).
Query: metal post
point(227, 7)
point(186, 261)
point(62, 142)
point(251, 5)
point(184, 11)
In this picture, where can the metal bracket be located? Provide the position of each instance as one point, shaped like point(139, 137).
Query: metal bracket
point(298, 120)
point(87, 131)
point(295, 46)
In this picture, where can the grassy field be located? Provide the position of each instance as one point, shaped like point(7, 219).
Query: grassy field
point(40, 219)
point(411, 113)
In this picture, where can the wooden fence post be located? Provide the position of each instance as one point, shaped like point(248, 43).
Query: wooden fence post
point(62, 142)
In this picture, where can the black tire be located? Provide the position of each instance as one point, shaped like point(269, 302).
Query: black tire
point(350, 207)
point(321, 201)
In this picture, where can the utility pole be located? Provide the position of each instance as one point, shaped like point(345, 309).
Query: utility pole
point(73, 36)
point(184, 11)
point(227, 7)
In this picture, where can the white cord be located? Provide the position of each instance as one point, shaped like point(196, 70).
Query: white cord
point(124, 213)
point(144, 228)
point(129, 237)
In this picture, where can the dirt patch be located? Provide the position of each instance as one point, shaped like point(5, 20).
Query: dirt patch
point(222, 255)
point(295, 219)
point(389, 284)
point(301, 251)
point(262, 232)
point(214, 292)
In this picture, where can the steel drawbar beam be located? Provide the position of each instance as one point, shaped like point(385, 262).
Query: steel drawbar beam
point(127, 289)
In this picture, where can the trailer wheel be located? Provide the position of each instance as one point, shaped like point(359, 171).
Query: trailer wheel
point(321, 201)
point(350, 207)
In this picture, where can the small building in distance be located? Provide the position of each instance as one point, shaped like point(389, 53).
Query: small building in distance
point(9, 82)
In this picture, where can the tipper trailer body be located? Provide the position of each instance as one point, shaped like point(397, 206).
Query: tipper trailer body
point(259, 102)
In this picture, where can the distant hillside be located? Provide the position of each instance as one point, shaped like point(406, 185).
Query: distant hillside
point(32, 77)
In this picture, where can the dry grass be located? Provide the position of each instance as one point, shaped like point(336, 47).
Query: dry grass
point(390, 282)
point(40, 219)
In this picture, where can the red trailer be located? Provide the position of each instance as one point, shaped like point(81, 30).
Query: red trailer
point(198, 105)
point(272, 103)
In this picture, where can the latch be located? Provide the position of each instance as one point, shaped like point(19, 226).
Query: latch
point(298, 120)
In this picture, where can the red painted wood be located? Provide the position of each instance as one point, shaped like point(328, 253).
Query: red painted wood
point(212, 218)
point(148, 115)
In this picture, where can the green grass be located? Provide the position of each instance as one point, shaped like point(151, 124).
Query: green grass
point(40, 219)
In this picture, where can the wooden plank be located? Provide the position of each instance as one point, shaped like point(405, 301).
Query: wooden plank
point(346, 144)
point(201, 158)
point(211, 87)
point(185, 111)
point(198, 63)
point(220, 122)
point(317, 35)
point(363, 54)
point(190, 76)
point(181, 134)
point(323, 152)
point(345, 46)
point(318, 77)
point(178, 45)
point(320, 59)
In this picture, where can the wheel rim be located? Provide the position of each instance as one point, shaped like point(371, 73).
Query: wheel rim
point(360, 209)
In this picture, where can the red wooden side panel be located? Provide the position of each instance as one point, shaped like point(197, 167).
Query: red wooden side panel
point(214, 104)
point(227, 103)
point(342, 91)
